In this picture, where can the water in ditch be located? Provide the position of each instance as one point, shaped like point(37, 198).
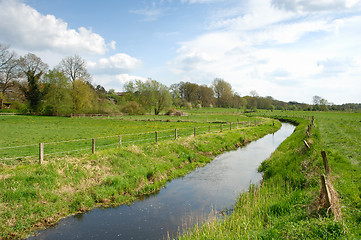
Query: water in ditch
point(180, 204)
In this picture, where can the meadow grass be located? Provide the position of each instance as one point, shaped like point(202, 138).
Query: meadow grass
point(21, 135)
point(287, 204)
point(33, 196)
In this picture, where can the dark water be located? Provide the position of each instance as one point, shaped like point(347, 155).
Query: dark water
point(180, 204)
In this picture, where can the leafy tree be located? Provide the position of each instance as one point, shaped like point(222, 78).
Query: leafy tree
point(205, 96)
point(151, 94)
point(223, 92)
point(132, 108)
point(189, 92)
point(57, 93)
point(33, 68)
point(174, 91)
point(84, 97)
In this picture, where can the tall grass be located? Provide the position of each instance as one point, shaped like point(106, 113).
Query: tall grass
point(286, 204)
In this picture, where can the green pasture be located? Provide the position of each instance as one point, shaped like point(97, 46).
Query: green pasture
point(33, 196)
point(21, 135)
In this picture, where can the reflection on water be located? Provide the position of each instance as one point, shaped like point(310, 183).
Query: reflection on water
point(213, 187)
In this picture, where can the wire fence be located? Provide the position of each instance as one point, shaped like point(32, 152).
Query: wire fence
point(28, 153)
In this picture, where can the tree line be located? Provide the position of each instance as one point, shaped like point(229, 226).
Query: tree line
point(29, 86)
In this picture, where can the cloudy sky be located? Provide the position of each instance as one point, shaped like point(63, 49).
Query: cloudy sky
point(288, 49)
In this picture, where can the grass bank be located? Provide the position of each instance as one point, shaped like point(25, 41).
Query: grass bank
point(36, 196)
point(289, 203)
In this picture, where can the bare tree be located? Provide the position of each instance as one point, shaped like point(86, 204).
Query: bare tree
point(74, 68)
point(5, 56)
point(8, 71)
point(316, 100)
point(253, 93)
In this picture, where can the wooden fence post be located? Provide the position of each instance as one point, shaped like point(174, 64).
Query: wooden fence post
point(325, 191)
point(221, 127)
point(156, 137)
point(194, 131)
point(325, 162)
point(306, 144)
point(93, 145)
point(41, 153)
point(175, 134)
point(120, 140)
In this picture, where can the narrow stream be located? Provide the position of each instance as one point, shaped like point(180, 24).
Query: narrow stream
point(180, 204)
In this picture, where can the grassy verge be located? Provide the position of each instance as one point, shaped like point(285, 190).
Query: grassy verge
point(287, 204)
point(35, 196)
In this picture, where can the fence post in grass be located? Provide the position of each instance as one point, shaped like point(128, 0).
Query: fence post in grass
point(120, 140)
point(306, 144)
point(325, 191)
point(93, 145)
point(41, 153)
point(175, 134)
point(221, 127)
point(194, 131)
point(325, 162)
point(156, 137)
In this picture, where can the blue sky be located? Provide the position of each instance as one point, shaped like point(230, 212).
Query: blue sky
point(288, 49)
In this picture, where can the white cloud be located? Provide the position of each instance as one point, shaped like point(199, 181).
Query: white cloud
point(316, 6)
point(118, 63)
point(291, 56)
point(200, 1)
point(113, 45)
point(24, 27)
point(124, 78)
point(151, 12)
point(115, 82)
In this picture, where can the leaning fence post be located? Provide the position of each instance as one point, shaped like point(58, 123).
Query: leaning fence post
point(41, 153)
point(306, 144)
point(325, 162)
point(93, 145)
point(120, 140)
point(325, 190)
point(156, 136)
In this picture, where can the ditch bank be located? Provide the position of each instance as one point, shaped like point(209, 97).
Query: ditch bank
point(291, 201)
point(183, 202)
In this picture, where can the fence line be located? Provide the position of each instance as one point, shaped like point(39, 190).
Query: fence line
point(121, 139)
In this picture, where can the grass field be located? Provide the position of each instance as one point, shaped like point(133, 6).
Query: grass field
point(287, 205)
point(21, 135)
point(33, 196)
